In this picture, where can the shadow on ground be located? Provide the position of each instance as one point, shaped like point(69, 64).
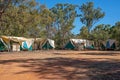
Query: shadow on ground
point(101, 54)
point(60, 68)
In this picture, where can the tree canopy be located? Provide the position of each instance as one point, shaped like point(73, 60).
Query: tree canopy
point(90, 15)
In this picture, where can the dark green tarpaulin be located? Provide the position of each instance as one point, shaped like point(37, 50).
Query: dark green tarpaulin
point(2, 46)
point(47, 45)
point(69, 45)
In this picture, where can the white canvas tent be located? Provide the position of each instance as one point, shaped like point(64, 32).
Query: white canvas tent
point(41, 43)
point(109, 44)
point(74, 43)
point(18, 43)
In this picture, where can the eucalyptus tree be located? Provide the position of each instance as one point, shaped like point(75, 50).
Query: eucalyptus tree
point(65, 15)
point(21, 18)
point(47, 19)
point(32, 18)
point(90, 15)
point(115, 32)
point(100, 33)
point(84, 32)
point(7, 19)
point(3, 6)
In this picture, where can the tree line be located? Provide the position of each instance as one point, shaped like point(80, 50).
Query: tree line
point(29, 18)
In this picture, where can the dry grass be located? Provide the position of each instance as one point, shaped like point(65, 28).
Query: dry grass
point(60, 65)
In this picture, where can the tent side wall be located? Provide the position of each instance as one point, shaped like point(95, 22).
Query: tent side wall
point(15, 47)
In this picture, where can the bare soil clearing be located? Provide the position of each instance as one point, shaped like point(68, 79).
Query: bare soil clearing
point(60, 65)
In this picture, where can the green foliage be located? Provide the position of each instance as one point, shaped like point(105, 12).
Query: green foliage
point(101, 32)
point(47, 19)
point(90, 15)
point(84, 33)
point(3, 6)
point(115, 32)
point(65, 15)
point(20, 17)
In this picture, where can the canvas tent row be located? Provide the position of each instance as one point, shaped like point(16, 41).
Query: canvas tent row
point(17, 43)
point(41, 43)
point(75, 43)
point(109, 44)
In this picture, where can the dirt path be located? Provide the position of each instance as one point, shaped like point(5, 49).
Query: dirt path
point(60, 65)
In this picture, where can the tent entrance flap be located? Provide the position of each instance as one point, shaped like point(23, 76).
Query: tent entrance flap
point(26, 46)
point(109, 44)
point(47, 45)
point(3, 46)
point(69, 45)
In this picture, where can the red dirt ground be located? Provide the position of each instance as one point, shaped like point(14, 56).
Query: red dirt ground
point(60, 65)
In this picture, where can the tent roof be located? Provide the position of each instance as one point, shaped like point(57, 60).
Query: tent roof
point(78, 40)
